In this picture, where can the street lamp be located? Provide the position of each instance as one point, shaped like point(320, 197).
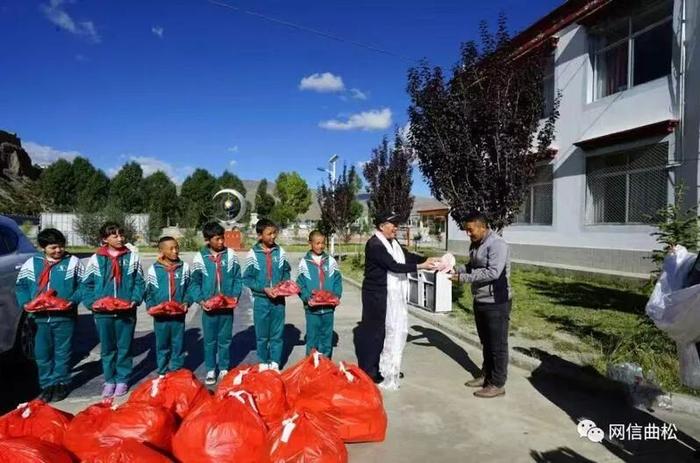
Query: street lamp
point(331, 171)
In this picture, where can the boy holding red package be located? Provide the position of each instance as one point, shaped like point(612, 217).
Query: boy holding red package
point(321, 287)
point(168, 294)
point(266, 267)
point(113, 286)
point(216, 285)
point(48, 289)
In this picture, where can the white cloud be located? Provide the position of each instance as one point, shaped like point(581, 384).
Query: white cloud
point(232, 149)
point(80, 58)
point(358, 94)
point(232, 163)
point(158, 31)
point(375, 119)
point(323, 83)
point(44, 155)
point(55, 13)
point(150, 165)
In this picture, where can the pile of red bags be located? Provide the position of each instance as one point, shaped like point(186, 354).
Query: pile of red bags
point(91, 430)
point(32, 450)
point(305, 437)
point(35, 419)
point(111, 304)
point(304, 372)
point(220, 302)
point(226, 429)
point(47, 301)
point(321, 297)
point(168, 308)
point(128, 451)
point(266, 387)
point(286, 288)
point(180, 392)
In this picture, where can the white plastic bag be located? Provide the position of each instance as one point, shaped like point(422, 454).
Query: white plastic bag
point(689, 365)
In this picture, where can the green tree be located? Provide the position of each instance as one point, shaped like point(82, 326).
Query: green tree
point(339, 208)
point(126, 189)
point(264, 202)
point(94, 192)
point(57, 185)
point(162, 202)
point(196, 194)
point(88, 224)
point(676, 225)
point(294, 198)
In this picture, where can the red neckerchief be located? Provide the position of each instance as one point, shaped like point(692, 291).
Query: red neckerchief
point(268, 262)
point(216, 259)
point(321, 274)
point(116, 269)
point(171, 269)
point(45, 275)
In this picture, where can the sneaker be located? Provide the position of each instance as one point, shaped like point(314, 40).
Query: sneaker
point(60, 392)
point(274, 366)
point(108, 390)
point(46, 394)
point(222, 373)
point(121, 389)
point(210, 378)
point(263, 367)
point(489, 392)
point(479, 382)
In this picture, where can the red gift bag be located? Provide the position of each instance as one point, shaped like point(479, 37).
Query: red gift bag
point(128, 451)
point(266, 387)
point(321, 297)
point(305, 438)
point(304, 372)
point(32, 450)
point(350, 400)
point(35, 419)
point(178, 391)
point(92, 428)
point(111, 304)
point(227, 430)
point(220, 302)
point(287, 288)
point(168, 308)
point(47, 301)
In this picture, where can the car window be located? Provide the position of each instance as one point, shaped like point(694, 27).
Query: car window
point(8, 241)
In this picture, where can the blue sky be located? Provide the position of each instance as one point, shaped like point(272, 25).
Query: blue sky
point(180, 84)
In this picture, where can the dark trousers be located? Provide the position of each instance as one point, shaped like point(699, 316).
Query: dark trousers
point(370, 336)
point(492, 326)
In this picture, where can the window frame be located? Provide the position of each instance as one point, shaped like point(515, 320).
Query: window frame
point(531, 198)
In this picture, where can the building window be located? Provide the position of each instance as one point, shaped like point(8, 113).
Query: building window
point(627, 187)
point(632, 49)
point(537, 206)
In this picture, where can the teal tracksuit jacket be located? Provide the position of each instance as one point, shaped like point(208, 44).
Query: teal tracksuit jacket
point(319, 320)
point(214, 274)
point(265, 270)
point(115, 331)
point(163, 285)
point(54, 336)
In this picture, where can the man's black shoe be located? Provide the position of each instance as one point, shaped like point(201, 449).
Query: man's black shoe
point(60, 392)
point(401, 375)
point(46, 394)
point(377, 378)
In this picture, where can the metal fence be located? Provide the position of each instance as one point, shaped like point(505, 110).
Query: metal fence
point(66, 224)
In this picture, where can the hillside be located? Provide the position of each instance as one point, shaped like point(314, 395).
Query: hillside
point(17, 177)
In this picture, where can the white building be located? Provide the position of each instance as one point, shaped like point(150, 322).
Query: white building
point(629, 75)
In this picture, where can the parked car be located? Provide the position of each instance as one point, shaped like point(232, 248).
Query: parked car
point(16, 330)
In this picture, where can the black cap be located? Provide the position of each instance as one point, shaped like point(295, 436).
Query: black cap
point(384, 217)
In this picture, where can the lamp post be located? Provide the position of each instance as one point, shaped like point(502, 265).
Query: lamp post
point(331, 171)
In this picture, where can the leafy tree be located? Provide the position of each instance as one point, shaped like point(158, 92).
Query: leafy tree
point(389, 179)
point(162, 203)
point(126, 189)
point(294, 198)
point(474, 132)
point(675, 226)
point(196, 194)
point(57, 185)
point(264, 202)
point(339, 208)
point(88, 224)
point(94, 192)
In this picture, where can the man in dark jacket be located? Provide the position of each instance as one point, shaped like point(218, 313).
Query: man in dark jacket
point(488, 271)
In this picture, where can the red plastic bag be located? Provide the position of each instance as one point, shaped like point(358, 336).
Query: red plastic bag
point(32, 450)
point(287, 288)
point(92, 428)
point(321, 297)
point(111, 304)
point(47, 301)
point(179, 391)
point(128, 451)
point(350, 400)
point(220, 302)
point(35, 419)
point(266, 387)
point(304, 372)
point(222, 431)
point(169, 308)
point(305, 438)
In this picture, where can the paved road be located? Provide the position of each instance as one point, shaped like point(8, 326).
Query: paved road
point(433, 417)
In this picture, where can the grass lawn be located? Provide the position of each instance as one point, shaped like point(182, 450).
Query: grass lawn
point(607, 318)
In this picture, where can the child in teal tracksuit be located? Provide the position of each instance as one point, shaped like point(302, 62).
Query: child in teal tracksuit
point(319, 271)
point(114, 270)
point(168, 279)
point(215, 271)
point(266, 265)
point(52, 269)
